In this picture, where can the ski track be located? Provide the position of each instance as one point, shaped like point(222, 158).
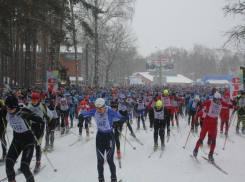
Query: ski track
point(79, 163)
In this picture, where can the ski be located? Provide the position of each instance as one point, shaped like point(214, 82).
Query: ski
point(16, 173)
point(63, 135)
point(161, 152)
point(87, 140)
point(75, 142)
point(214, 164)
point(154, 150)
point(193, 157)
point(137, 140)
point(36, 173)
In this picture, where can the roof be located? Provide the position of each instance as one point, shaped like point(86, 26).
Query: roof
point(145, 74)
point(178, 79)
point(73, 78)
point(218, 81)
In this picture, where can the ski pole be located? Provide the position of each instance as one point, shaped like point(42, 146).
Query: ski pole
point(228, 130)
point(188, 134)
point(127, 140)
point(172, 132)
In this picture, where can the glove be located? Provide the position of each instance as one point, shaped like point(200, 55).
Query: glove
point(24, 114)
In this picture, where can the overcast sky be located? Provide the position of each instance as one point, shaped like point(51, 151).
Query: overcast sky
point(180, 23)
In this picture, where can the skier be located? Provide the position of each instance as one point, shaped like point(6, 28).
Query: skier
point(159, 113)
point(210, 124)
point(81, 109)
point(43, 112)
point(50, 127)
point(187, 101)
point(192, 109)
point(130, 105)
point(239, 101)
point(105, 138)
point(23, 140)
point(139, 109)
point(122, 107)
point(117, 127)
point(175, 108)
point(64, 112)
point(225, 113)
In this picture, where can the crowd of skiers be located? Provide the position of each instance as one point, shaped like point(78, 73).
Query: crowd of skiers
point(33, 112)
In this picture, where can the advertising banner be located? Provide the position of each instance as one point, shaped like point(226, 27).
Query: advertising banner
point(236, 82)
point(52, 78)
point(153, 64)
point(135, 80)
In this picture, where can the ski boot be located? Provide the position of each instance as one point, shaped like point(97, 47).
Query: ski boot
point(162, 146)
point(67, 129)
point(177, 125)
point(210, 157)
point(46, 148)
point(88, 134)
point(237, 129)
point(113, 178)
point(119, 154)
point(144, 127)
point(37, 167)
point(132, 134)
point(101, 179)
point(221, 133)
point(51, 147)
point(155, 146)
point(71, 125)
point(3, 158)
point(138, 127)
point(196, 130)
point(63, 131)
point(226, 133)
point(195, 152)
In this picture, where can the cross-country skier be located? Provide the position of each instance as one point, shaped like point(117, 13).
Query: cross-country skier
point(105, 138)
point(210, 124)
point(20, 119)
point(239, 101)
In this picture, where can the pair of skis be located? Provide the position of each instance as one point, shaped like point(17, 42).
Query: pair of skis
point(213, 163)
point(154, 150)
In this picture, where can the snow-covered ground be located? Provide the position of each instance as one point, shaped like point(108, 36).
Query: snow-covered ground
point(79, 163)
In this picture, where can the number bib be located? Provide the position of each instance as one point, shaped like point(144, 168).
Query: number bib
point(165, 101)
point(16, 122)
point(102, 121)
point(214, 110)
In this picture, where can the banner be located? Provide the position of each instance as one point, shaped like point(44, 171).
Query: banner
point(153, 64)
point(236, 82)
point(243, 68)
point(52, 78)
point(135, 80)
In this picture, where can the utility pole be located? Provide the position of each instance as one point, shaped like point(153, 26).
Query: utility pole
point(160, 55)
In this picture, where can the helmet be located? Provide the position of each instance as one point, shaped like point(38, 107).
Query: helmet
point(159, 103)
point(82, 102)
point(217, 95)
point(114, 104)
point(11, 102)
point(197, 97)
point(63, 99)
point(99, 102)
point(165, 91)
point(35, 96)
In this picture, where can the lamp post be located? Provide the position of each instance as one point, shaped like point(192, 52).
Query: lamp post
point(160, 80)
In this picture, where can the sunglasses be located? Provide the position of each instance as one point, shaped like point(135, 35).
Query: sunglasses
point(218, 100)
point(99, 108)
point(47, 103)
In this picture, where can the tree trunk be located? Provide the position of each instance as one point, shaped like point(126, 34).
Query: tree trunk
point(96, 50)
point(74, 40)
point(86, 83)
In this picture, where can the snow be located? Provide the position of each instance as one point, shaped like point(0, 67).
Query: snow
point(79, 163)
point(178, 79)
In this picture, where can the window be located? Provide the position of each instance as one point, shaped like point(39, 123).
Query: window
point(38, 77)
point(38, 65)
